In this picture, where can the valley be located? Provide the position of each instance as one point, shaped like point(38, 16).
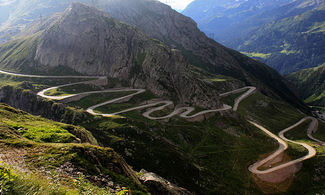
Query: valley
point(130, 97)
point(288, 35)
point(183, 113)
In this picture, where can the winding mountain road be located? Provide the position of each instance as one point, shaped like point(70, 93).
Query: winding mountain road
point(249, 92)
point(184, 112)
point(49, 77)
point(284, 146)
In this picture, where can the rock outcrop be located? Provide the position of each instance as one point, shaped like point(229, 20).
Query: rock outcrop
point(28, 101)
point(90, 42)
point(158, 185)
point(161, 22)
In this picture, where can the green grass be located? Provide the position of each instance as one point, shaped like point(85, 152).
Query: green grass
point(134, 101)
point(35, 128)
point(223, 157)
point(40, 131)
point(257, 55)
point(230, 100)
point(312, 169)
point(219, 78)
point(197, 141)
point(160, 113)
point(315, 97)
point(320, 134)
point(140, 59)
point(43, 158)
point(310, 84)
point(273, 114)
point(17, 52)
point(35, 84)
point(288, 52)
point(57, 92)
point(94, 99)
point(200, 156)
point(5, 82)
point(317, 27)
point(73, 89)
point(22, 183)
point(294, 42)
point(25, 183)
point(300, 132)
point(197, 110)
point(112, 108)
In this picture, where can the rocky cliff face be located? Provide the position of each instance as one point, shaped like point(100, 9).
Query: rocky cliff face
point(28, 101)
point(91, 42)
point(161, 22)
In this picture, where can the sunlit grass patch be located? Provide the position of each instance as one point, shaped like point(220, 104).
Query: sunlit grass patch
point(257, 55)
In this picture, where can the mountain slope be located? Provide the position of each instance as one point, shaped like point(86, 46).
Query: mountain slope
point(34, 148)
point(266, 30)
point(161, 22)
point(88, 41)
point(292, 43)
point(205, 157)
point(310, 84)
point(167, 25)
point(225, 20)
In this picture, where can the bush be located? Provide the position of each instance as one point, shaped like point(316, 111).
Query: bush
point(6, 179)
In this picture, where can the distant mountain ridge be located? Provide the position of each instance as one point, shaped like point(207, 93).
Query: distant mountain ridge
point(291, 44)
point(279, 33)
point(219, 18)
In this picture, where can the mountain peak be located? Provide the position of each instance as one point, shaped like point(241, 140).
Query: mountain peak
point(81, 10)
point(90, 42)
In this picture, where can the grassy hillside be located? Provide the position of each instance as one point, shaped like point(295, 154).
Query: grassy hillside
point(18, 56)
point(217, 151)
point(276, 116)
point(310, 84)
point(39, 156)
point(289, 44)
point(196, 143)
point(206, 157)
point(285, 34)
point(18, 53)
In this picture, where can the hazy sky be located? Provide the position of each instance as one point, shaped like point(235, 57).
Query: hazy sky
point(177, 4)
point(6, 2)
